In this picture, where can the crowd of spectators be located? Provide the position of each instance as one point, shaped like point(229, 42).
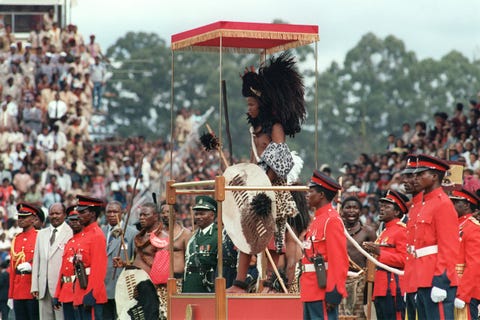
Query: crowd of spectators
point(52, 85)
point(453, 137)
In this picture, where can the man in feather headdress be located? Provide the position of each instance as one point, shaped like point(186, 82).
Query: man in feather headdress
point(275, 100)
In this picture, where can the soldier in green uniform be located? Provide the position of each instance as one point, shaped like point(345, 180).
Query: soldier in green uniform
point(201, 254)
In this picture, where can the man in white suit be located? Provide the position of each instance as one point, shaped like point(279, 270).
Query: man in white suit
point(47, 261)
point(112, 231)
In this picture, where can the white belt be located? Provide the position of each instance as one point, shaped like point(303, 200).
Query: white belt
point(309, 267)
point(66, 279)
point(426, 251)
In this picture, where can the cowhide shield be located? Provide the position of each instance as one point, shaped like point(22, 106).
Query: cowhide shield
point(136, 296)
point(249, 226)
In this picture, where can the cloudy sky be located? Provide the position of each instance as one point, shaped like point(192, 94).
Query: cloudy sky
point(431, 28)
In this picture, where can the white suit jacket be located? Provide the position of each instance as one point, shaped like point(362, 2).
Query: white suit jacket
point(47, 259)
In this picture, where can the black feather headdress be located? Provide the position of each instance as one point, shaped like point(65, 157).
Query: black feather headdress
point(280, 91)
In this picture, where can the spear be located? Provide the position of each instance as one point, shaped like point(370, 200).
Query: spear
point(122, 238)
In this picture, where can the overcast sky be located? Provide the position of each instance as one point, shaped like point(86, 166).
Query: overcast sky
point(431, 28)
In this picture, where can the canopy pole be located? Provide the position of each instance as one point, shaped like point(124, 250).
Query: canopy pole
point(219, 217)
point(316, 104)
point(220, 78)
point(220, 282)
point(172, 129)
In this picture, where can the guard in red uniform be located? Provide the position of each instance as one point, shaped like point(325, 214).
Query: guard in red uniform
point(409, 277)
point(391, 249)
point(468, 262)
point(21, 253)
point(325, 260)
point(64, 291)
point(435, 243)
point(90, 261)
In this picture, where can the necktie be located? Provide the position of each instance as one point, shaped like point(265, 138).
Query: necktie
point(52, 237)
point(110, 237)
point(56, 110)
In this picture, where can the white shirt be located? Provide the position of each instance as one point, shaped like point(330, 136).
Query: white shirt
point(207, 229)
point(59, 228)
point(44, 142)
point(12, 109)
point(56, 109)
point(59, 138)
point(16, 158)
point(64, 182)
point(97, 72)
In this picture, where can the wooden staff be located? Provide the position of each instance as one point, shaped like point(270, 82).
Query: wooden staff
point(461, 314)
point(370, 279)
point(122, 238)
point(219, 147)
point(339, 199)
point(227, 119)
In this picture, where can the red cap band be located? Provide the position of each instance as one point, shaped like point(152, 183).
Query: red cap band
point(394, 199)
point(431, 165)
point(411, 164)
point(463, 195)
point(23, 208)
point(322, 183)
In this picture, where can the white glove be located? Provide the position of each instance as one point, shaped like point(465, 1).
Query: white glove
point(10, 303)
point(438, 295)
point(24, 267)
point(459, 304)
point(405, 297)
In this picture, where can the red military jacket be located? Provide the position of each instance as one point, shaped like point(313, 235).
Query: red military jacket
point(64, 291)
point(436, 224)
point(393, 253)
point(469, 258)
point(409, 277)
point(92, 251)
point(325, 236)
point(23, 247)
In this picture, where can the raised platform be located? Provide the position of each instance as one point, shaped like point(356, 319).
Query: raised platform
point(238, 306)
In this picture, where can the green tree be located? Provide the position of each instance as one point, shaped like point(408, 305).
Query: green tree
point(139, 85)
point(379, 86)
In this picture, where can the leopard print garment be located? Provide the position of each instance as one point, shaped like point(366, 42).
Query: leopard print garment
point(286, 207)
point(277, 156)
point(162, 294)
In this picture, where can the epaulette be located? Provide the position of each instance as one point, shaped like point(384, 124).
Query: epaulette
point(401, 224)
point(475, 221)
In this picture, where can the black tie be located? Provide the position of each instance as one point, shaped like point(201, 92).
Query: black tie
point(52, 238)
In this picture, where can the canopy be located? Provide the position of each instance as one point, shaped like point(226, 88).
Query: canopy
point(245, 37)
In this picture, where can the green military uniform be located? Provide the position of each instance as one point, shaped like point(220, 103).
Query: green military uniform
point(202, 249)
point(201, 261)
